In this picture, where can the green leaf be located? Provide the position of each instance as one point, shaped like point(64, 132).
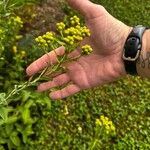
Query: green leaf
point(48, 102)
point(19, 127)
point(2, 122)
point(1, 147)
point(11, 120)
point(3, 140)
point(26, 115)
point(25, 95)
point(28, 104)
point(15, 139)
point(10, 145)
point(4, 113)
point(9, 129)
point(27, 132)
point(25, 138)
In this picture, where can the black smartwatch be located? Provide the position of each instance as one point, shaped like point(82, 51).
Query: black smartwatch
point(132, 49)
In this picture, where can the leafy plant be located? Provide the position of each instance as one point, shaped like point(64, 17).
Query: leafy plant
point(70, 34)
point(7, 6)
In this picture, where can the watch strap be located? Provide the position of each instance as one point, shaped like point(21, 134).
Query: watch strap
point(133, 48)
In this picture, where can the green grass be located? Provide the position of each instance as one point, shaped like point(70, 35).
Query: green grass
point(125, 102)
point(132, 12)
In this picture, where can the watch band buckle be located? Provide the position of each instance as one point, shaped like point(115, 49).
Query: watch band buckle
point(131, 59)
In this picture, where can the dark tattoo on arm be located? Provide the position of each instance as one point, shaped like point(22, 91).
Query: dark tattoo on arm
point(144, 62)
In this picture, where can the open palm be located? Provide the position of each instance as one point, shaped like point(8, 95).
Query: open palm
point(104, 65)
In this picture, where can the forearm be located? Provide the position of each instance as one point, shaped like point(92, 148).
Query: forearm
point(143, 63)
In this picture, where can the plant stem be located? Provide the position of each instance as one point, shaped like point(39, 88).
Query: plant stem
point(29, 83)
point(19, 88)
point(93, 146)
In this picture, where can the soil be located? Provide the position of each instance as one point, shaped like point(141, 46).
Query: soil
point(43, 16)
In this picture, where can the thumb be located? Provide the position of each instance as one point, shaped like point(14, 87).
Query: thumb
point(87, 8)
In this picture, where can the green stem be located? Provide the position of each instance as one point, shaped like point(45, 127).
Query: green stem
point(93, 146)
point(57, 66)
point(30, 83)
point(15, 91)
point(6, 5)
point(23, 86)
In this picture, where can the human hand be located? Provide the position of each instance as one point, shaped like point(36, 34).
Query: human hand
point(104, 65)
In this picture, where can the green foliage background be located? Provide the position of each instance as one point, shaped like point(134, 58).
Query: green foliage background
point(36, 123)
point(132, 12)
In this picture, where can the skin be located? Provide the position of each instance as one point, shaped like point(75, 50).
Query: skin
point(143, 62)
point(104, 65)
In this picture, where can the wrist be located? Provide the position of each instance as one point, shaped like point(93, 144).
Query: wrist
point(145, 43)
point(143, 63)
point(134, 46)
point(126, 33)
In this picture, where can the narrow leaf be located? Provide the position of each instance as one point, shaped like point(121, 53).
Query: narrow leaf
point(3, 113)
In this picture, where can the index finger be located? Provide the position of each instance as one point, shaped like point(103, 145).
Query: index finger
point(42, 62)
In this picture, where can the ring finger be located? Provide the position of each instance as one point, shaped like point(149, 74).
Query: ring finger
point(57, 81)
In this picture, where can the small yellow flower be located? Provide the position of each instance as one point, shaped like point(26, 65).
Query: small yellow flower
point(22, 54)
point(106, 124)
point(80, 129)
point(69, 40)
point(45, 40)
point(66, 110)
point(113, 128)
point(46, 45)
point(98, 122)
point(66, 40)
point(18, 37)
point(107, 127)
point(42, 41)
point(102, 118)
point(85, 31)
point(78, 38)
point(87, 49)
point(16, 21)
point(75, 20)
point(66, 32)
point(14, 49)
point(60, 26)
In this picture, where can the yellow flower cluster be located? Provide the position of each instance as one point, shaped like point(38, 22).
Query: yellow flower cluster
point(86, 50)
point(70, 33)
point(45, 40)
point(60, 26)
point(75, 20)
point(73, 33)
point(17, 21)
point(69, 40)
point(77, 33)
point(106, 123)
point(20, 54)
